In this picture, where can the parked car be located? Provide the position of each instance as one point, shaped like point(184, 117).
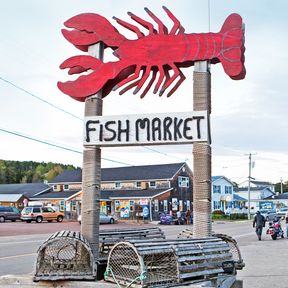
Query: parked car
point(282, 212)
point(9, 213)
point(104, 218)
point(40, 214)
point(269, 215)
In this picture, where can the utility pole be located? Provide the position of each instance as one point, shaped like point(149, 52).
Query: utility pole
point(249, 185)
point(281, 181)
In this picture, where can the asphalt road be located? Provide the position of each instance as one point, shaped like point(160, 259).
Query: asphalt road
point(266, 261)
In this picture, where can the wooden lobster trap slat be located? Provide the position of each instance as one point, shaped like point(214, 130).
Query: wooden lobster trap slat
point(65, 255)
point(108, 238)
point(234, 248)
point(164, 263)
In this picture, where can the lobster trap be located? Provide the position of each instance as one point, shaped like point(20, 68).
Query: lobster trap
point(164, 263)
point(234, 248)
point(65, 255)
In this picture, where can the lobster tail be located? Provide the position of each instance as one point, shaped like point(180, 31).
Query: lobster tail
point(232, 47)
point(89, 29)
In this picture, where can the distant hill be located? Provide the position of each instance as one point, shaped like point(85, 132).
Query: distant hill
point(30, 171)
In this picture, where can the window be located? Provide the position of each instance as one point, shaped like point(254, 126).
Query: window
point(228, 189)
point(117, 205)
point(180, 205)
point(165, 206)
point(216, 189)
point(138, 184)
point(156, 205)
point(54, 187)
point(183, 181)
point(117, 185)
point(216, 205)
point(152, 184)
point(131, 203)
point(62, 205)
point(66, 187)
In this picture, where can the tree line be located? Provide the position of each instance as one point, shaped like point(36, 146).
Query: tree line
point(13, 172)
point(284, 187)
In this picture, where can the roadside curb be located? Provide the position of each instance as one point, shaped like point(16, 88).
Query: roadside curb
point(26, 281)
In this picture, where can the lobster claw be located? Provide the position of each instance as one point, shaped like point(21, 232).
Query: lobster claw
point(79, 64)
point(89, 29)
point(88, 84)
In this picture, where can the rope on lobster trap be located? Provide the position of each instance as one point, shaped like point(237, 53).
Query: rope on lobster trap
point(141, 277)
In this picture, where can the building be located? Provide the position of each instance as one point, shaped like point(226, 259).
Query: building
point(19, 194)
point(257, 184)
point(279, 200)
point(257, 196)
point(125, 191)
point(222, 194)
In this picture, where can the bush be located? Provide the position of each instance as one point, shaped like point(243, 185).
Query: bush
point(219, 217)
point(238, 216)
point(218, 212)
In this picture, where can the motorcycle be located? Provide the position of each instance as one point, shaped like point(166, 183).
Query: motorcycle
point(275, 230)
point(166, 219)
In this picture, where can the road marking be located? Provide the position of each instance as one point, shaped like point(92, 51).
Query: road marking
point(243, 235)
point(15, 256)
point(22, 242)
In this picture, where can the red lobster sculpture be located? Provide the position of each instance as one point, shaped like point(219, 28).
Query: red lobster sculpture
point(159, 51)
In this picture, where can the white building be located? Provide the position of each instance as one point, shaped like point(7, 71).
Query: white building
point(257, 183)
point(257, 195)
point(223, 195)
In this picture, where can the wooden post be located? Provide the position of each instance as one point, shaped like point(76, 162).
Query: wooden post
point(91, 177)
point(202, 223)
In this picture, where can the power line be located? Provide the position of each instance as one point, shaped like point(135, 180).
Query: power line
point(64, 111)
point(165, 154)
point(56, 145)
point(39, 98)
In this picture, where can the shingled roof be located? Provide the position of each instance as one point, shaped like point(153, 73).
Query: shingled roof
point(27, 189)
point(135, 173)
point(106, 194)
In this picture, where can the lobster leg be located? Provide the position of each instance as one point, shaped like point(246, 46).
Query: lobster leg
point(160, 79)
point(176, 22)
point(154, 73)
point(169, 82)
point(130, 86)
point(161, 27)
point(142, 81)
point(179, 82)
point(129, 26)
point(129, 79)
point(144, 23)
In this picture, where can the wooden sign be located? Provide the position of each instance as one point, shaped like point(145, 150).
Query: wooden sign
point(146, 129)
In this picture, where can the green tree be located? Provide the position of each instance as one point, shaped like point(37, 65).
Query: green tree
point(284, 187)
point(29, 171)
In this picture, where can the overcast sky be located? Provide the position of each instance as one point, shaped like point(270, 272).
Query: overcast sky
point(248, 116)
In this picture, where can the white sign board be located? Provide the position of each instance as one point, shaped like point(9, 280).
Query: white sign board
point(146, 129)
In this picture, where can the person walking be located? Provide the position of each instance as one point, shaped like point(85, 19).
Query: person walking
point(286, 221)
point(178, 215)
point(259, 222)
point(188, 217)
